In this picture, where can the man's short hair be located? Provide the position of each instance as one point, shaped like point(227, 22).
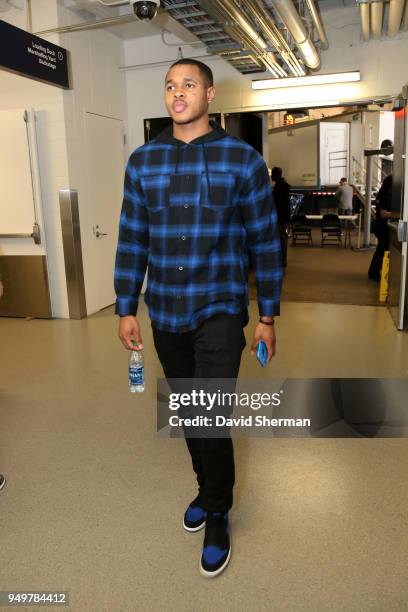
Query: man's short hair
point(276, 172)
point(343, 180)
point(203, 68)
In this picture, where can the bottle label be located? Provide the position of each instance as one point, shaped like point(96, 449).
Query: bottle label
point(136, 375)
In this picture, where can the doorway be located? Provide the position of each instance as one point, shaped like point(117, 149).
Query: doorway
point(106, 160)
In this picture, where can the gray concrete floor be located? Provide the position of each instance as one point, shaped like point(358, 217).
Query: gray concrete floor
point(94, 499)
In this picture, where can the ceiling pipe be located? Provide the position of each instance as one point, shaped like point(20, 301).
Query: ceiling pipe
point(376, 19)
point(29, 16)
point(117, 3)
point(91, 25)
point(265, 59)
point(241, 29)
point(273, 34)
point(237, 15)
point(365, 21)
point(318, 24)
point(404, 23)
point(291, 18)
point(395, 16)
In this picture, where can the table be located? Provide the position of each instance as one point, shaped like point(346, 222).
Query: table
point(347, 227)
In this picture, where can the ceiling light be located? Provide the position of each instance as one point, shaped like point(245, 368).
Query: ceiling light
point(316, 79)
point(305, 104)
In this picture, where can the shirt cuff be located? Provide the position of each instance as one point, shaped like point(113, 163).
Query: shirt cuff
point(126, 306)
point(268, 308)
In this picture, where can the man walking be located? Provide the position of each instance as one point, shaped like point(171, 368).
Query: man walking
point(195, 202)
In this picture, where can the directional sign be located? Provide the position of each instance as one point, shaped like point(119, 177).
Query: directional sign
point(33, 57)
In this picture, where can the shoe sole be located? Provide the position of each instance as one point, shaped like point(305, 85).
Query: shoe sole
point(2, 484)
point(207, 574)
point(193, 529)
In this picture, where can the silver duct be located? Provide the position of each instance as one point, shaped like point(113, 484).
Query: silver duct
point(241, 29)
point(365, 21)
point(376, 19)
point(404, 23)
point(372, 12)
point(395, 16)
point(272, 33)
point(291, 18)
point(318, 24)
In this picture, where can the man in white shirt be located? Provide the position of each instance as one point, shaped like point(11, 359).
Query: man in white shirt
point(344, 194)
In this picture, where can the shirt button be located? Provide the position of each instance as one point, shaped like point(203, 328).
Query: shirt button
point(186, 205)
point(181, 268)
point(183, 237)
point(179, 297)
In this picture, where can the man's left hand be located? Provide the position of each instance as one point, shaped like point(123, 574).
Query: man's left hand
point(267, 334)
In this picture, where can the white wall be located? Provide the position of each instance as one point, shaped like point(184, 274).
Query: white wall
point(295, 150)
point(387, 126)
point(47, 101)
point(97, 87)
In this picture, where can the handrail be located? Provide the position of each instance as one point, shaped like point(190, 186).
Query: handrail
point(35, 234)
point(364, 171)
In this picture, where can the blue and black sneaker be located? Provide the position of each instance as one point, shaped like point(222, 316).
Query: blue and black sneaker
point(194, 516)
point(217, 545)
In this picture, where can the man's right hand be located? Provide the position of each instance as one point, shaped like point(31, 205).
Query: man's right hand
point(129, 332)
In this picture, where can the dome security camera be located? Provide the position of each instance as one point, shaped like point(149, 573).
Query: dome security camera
point(145, 10)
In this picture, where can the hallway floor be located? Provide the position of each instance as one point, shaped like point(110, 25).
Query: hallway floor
point(329, 274)
point(94, 498)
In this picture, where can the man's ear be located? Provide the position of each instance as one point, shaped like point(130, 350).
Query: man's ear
point(210, 94)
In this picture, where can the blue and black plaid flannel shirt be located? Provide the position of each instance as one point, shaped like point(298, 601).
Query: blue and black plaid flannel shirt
point(191, 214)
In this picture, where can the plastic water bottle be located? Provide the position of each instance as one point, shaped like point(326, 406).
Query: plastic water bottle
point(136, 372)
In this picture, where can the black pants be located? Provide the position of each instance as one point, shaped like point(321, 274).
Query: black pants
point(382, 233)
point(213, 350)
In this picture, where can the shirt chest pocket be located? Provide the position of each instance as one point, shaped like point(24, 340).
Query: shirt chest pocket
point(156, 188)
point(218, 190)
point(170, 190)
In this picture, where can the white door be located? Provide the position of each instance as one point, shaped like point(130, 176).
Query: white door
point(334, 152)
point(106, 163)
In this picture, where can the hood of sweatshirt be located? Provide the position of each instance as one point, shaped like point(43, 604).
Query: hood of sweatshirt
point(216, 133)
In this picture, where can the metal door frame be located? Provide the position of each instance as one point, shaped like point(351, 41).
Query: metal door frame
point(399, 230)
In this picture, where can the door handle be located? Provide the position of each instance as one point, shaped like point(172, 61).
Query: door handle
point(402, 231)
point(97, 233)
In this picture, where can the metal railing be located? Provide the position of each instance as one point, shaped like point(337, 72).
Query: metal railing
point(35, 234)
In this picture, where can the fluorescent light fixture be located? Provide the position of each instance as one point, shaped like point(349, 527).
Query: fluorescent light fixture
point(316, 79)
point(305, 104)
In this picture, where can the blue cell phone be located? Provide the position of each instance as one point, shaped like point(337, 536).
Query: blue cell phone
point(262, 353)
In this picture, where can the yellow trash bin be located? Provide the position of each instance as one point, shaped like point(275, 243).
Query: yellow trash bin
point(384, 277)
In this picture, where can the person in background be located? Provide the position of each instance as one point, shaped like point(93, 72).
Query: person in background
point(2, 479)
point(281, 191)
point(344, 194)
point(381, 229)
